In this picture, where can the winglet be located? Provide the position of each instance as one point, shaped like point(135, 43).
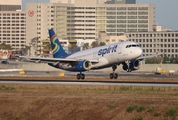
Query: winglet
point(57, 49)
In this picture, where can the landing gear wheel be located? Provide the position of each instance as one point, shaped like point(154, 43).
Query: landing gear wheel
point(82, 76)
point(129, 70)
point(115, 75)
point(111, 76)
point(78, 76)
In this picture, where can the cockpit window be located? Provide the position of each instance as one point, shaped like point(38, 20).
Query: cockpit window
point(134, 45)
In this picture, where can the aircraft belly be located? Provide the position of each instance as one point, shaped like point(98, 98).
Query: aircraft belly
point(102, 62)
point(115, 58)
point(65, 66)
point(111, 58)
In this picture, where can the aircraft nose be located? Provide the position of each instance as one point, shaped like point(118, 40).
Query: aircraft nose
point(139, 52)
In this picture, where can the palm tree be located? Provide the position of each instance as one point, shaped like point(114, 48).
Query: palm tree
point(25, 50)
point(8, 47)
point(94, 44)
point(48, 46)
point(102, 43)
point(5, 46)
point(85, 46)
point(73, 47)
point(2, 45)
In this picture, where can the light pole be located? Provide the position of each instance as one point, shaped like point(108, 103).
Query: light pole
point(30, 45)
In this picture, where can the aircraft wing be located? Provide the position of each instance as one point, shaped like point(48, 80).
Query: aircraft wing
point(54, 60)
point(149, 56)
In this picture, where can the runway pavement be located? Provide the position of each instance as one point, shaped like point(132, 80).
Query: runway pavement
point(93, 73)
point(88, 74)
point(15, 72)
point(92, 78)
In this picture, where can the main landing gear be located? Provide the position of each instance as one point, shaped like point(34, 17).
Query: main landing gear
point(129, 70)
point(80, 76)
point(113, 75)
point(126, 66)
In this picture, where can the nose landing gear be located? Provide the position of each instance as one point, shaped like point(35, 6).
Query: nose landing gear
point(113, 75)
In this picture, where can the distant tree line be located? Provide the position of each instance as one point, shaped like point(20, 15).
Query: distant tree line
point(164, 60)
point(93, 45)
point(4, 46)
point(86, 45)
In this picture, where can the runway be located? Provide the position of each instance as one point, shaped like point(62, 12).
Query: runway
point(88, 74)
point(92, 78)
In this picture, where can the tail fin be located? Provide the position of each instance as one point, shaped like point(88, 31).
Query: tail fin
point(57, 49)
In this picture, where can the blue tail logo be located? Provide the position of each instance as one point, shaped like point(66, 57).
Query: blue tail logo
point(53, 40)
point(58, 51)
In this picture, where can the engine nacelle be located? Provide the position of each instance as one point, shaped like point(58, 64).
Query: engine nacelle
point(82, 66)
point(133, 65)
point(125, 67)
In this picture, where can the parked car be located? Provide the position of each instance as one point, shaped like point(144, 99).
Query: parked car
point(4, 62)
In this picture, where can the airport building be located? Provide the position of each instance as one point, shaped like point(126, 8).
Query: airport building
point(12, 24)
point(10, 5)
point(159, 40)
point(162, 42)
point(83, 19)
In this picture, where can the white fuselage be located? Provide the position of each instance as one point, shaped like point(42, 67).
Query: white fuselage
point(110, 54)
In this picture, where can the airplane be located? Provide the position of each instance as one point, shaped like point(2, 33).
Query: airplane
point(127, 53)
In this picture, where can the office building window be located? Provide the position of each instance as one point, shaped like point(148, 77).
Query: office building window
point(121, 8)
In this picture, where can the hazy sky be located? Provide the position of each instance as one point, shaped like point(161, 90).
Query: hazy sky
point(166, 11)
point(25, 1)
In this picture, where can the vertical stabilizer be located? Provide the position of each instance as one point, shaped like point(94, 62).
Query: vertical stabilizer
point(57, 49)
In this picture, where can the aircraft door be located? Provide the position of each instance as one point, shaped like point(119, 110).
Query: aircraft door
point(119, 55)
point(119, 48)
point(95, 53)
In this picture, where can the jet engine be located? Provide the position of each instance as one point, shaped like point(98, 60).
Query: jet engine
point(133, 65)
point(82, 66)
